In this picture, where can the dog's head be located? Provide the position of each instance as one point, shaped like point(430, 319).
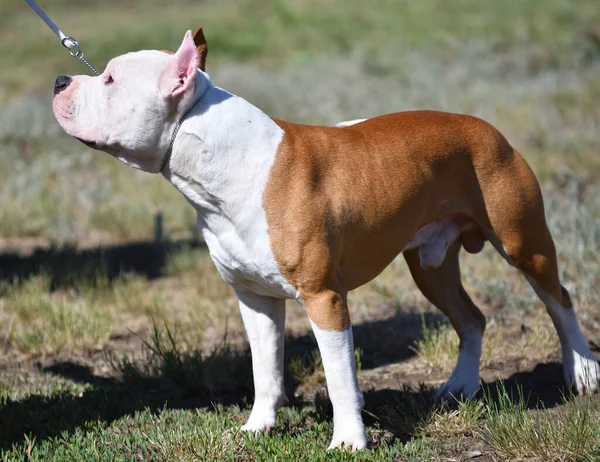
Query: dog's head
point(130, 111)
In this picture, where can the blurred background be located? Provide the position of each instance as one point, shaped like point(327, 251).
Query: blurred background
point(528, 67)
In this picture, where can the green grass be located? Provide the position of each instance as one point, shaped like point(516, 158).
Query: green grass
point(205, 435)
point(108, 421)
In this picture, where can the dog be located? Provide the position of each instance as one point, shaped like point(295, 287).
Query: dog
point(302, 212)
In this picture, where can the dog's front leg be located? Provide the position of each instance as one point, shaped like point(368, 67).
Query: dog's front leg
point(264, 320)
point(330, 322)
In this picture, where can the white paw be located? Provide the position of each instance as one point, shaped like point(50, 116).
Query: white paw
point(351, 435)
point(460, 385)
point(261, 420)
point(584, 375)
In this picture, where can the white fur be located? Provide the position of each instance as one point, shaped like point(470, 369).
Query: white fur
point(347, 123)
point(464, 381)
point(264, 319)
point(127, 117)
point(579, 366)
point(221, 163)
point(337, 353)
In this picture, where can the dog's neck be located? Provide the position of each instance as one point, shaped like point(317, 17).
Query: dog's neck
point(222, 157)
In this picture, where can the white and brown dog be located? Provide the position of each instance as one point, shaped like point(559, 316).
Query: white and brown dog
point(309, 213)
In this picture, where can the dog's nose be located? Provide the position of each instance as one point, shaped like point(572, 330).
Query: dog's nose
point(62, 82)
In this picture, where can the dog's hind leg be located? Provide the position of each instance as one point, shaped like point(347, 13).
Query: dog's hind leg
point(443, 287)
point(516, 212)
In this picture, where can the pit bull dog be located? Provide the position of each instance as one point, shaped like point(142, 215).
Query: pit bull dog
point(309, 213)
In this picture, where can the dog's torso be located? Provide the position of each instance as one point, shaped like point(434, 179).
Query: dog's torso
point(285, 207)
point(369, 188)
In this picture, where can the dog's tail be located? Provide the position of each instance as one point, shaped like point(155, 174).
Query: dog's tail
point(347, 123)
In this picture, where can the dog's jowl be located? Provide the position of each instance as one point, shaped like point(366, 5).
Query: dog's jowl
point(309, 213)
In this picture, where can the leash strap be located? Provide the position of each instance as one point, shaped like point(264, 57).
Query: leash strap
point(68, 42)
point(34, 6)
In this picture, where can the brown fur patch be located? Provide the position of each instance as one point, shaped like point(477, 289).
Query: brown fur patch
point(341, 203)
point(202, 46)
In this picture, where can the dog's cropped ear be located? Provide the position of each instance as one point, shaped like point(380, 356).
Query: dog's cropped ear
point(181, 73)
point(202, 47)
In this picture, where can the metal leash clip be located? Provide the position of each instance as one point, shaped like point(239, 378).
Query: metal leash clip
point(68, 42)
point(75, 50)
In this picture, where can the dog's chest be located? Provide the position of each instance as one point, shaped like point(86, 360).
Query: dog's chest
point(244, 258)
point(230, 148)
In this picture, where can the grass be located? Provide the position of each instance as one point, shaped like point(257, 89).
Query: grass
point(119, 339)
point(570, 433)
point(405, 425)
point(220, 372)
point(201, 435)
point(45, 324)
point(438, 347)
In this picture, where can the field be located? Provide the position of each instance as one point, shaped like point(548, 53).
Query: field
point(119, 340)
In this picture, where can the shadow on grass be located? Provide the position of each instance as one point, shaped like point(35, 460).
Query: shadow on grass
point(169, 378)
point(166, 377)
point(108, 399)
point(67, 266)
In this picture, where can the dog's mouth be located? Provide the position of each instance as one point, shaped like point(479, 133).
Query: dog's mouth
point(88, 143)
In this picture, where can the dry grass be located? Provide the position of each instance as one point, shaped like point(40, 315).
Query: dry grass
point(45, 323)
point(464, 420)
point(537, 341)
point(42, 319)
point(570, 433)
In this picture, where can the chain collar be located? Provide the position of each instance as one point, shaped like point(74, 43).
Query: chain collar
point(177, 127)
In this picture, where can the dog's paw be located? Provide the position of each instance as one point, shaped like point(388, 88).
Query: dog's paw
point(460, 386)
point(260, 420)
point(350, 436)
point(585, 375)
point(264, 414)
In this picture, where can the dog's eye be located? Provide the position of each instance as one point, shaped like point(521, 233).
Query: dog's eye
point(108, 80)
